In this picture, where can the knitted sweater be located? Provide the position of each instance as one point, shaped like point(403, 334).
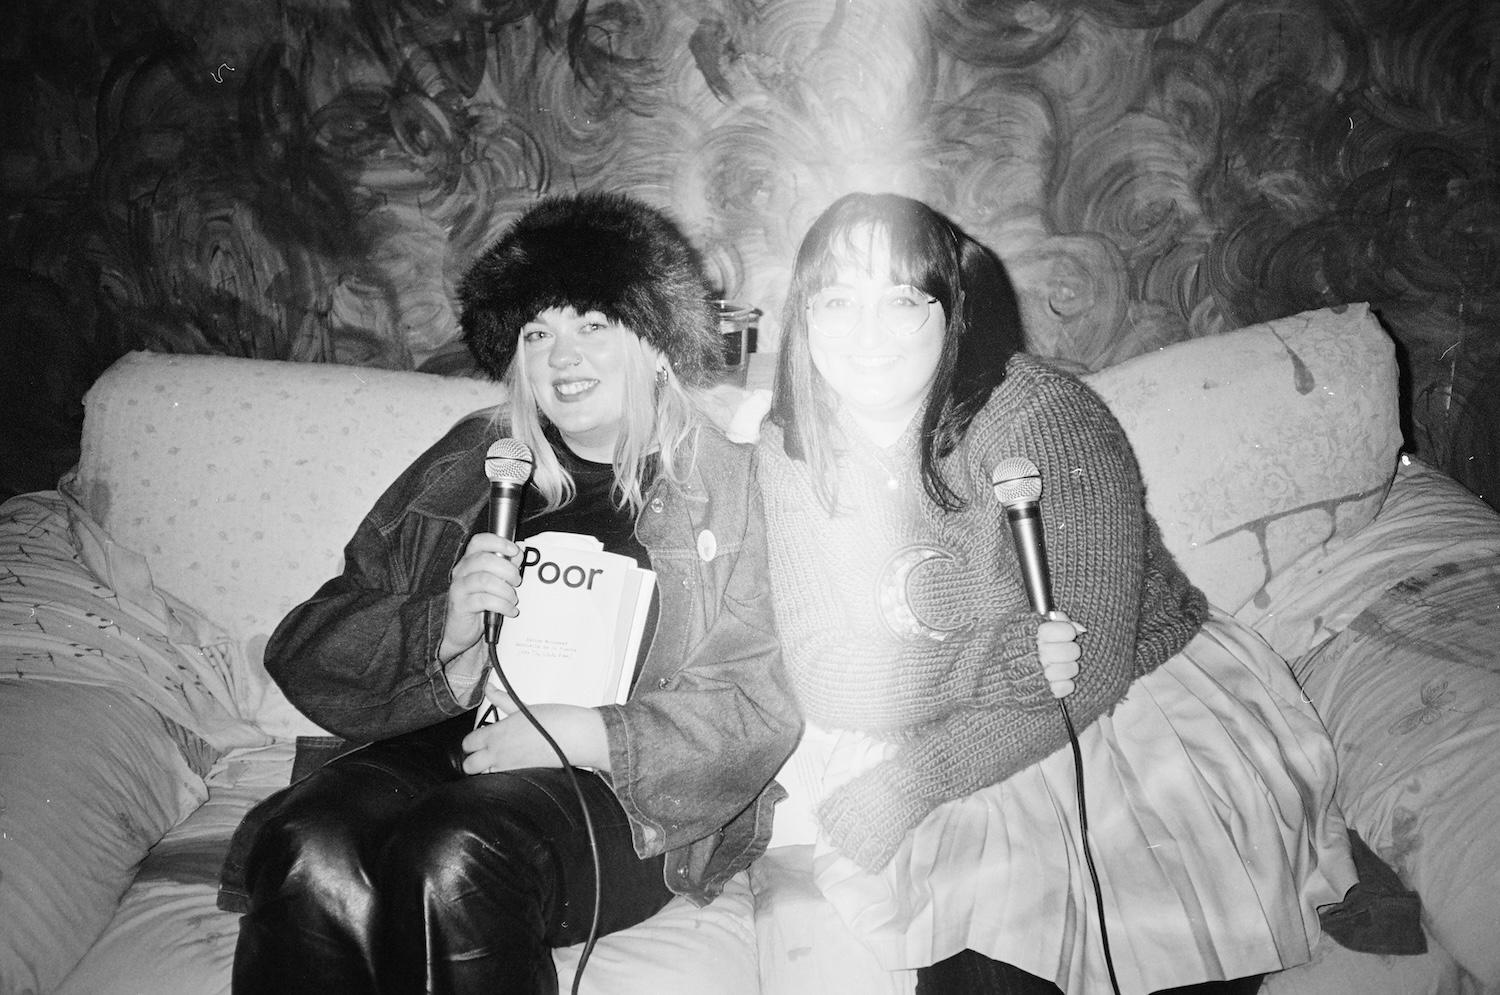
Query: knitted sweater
point(912, 624)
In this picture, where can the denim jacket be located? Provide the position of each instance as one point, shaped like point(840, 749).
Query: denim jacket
point(711, 718)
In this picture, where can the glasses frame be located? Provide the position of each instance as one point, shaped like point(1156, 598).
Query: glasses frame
point(882, 318)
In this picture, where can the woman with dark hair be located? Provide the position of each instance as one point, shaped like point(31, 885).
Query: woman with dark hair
point(935, 770)
point(445, 858)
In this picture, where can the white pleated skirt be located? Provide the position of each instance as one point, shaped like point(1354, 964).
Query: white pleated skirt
point(1209, 796)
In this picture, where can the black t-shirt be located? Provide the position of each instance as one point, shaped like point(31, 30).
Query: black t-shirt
point(592, 510)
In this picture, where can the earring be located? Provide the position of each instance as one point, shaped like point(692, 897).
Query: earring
point(661, 377)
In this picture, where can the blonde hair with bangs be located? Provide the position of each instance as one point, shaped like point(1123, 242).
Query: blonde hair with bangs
point(660, 420)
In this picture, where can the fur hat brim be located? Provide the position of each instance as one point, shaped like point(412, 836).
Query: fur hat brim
point(593, 252)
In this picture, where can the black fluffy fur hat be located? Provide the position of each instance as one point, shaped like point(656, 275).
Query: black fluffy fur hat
point(593, 252)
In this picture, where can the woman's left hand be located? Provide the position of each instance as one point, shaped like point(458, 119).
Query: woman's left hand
point(1057, 646)
point(512, 743)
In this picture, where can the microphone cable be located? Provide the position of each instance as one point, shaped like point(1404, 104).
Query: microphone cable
point(508, 466)
point(1088, 852)
point(588, 821)
point(1018, 489)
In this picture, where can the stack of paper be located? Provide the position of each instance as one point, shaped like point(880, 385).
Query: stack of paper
point(582, 612)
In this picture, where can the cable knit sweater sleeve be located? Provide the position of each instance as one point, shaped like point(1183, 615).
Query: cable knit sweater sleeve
point(983, 717)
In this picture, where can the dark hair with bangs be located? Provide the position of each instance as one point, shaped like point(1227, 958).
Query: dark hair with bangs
point(931, 253)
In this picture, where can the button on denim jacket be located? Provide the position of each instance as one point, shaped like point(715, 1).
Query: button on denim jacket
point(711, 718)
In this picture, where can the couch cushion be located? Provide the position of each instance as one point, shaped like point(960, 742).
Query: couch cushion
point(1335, 970)
point(90, 778)
point(239, 481)
point(805, 947)
point(169, 937)
point(1259, 445)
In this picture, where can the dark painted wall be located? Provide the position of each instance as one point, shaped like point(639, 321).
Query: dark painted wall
point(306, 179)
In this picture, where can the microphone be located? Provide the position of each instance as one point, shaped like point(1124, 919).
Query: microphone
point(1018, 488)
point(508, 465)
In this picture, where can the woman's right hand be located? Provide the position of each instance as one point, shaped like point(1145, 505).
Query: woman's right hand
point(484, 579)
point(1057, 646)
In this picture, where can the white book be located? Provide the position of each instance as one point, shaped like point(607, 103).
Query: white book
point(581, 613)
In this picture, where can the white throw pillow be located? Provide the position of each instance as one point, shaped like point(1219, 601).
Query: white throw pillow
point(1259, 445)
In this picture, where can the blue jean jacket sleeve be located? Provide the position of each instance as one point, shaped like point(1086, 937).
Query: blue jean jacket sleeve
point(360, 656)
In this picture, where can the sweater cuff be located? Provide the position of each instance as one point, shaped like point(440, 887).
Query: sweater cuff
point(867, 819)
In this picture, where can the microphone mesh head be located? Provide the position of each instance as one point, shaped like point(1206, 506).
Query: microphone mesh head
point(1016, 480)
point(508, 460)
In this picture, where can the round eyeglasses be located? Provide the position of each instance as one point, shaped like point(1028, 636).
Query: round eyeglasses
point(900, 310)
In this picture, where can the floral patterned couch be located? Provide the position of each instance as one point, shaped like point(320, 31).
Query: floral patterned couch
point(137, 725)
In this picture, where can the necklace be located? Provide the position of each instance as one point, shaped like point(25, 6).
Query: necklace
point(891, 467)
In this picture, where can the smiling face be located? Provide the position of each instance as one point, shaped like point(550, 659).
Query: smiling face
point(880, 376)
point(576, 367)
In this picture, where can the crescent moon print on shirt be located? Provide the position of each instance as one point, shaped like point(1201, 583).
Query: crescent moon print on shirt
point(894, 600)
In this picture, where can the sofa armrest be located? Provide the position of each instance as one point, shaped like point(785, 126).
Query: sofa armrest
point(1426, 518)
point(1390, 630)
point(90, 778)
point(1410, 692)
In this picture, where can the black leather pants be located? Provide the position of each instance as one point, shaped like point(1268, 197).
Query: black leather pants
point(390, 871)
point(970, 973)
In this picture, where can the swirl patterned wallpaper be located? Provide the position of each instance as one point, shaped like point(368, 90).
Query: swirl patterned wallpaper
point(306, 179)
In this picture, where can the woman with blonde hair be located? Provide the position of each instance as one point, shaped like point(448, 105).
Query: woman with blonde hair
point(447, 858)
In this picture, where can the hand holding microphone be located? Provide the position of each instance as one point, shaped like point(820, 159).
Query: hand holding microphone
point(1018, 488)
point(1057, 647)
point(482, 585)
point(508, 465)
